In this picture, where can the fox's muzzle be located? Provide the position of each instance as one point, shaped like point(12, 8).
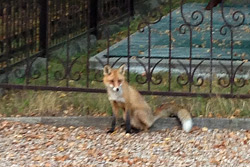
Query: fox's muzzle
point(116, 89)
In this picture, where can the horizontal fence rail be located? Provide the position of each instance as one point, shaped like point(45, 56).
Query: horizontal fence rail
point(50, 45)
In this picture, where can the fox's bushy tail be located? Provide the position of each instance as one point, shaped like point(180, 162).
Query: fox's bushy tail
point(184, 116)
point(186, 119)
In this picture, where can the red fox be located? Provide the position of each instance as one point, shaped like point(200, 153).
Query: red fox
point(136, 111)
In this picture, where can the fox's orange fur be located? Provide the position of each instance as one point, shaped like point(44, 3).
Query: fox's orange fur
point(137, 112)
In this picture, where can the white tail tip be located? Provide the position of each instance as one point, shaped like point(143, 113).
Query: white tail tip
point(187, 125)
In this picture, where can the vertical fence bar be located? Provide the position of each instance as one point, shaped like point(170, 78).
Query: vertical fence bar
point(88, 42)
point(43, 27)
point(27, 36)
point(36, 17)
point(108, 43)
point(170, 46)
point(128, 22)
point(211, 51)
point(232, 65)
point(1, 38)
point(93, 17)
point(7, 39)
point(56, 30)
point(132, 7)
point(20, 29)
point(67, 70)
point(14, 27)
point(53, 13)
point(43, 34)
point(32, 26)
point(37, 24)
point(149, 76)
point(107, 28)
point(25, 43)
point(190, 60)
point(1, 32)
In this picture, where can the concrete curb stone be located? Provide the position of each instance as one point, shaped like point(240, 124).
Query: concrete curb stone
point(161, 124)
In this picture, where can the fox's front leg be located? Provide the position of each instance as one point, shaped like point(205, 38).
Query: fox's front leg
point(112, 129)
point(115, 110)
point(127, 122)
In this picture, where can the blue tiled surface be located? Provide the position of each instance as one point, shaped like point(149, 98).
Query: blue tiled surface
point(200, 38)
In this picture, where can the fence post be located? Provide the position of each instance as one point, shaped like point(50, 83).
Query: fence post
point(43, 27)
point(131, 5)
point(93, 16)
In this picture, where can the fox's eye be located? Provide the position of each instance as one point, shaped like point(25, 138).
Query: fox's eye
point(112, 81)
point(119, 81)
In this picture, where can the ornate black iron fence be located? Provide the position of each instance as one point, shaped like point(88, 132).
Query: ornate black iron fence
point(29, 29)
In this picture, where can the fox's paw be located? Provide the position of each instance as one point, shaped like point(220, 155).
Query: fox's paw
point(133, 130)
point(110, 131)
point(128, 131)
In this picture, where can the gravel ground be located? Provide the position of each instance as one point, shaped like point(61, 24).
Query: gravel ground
point(43, 145)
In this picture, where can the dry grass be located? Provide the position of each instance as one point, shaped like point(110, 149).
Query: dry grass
point(209, 107)
point(29, 103)
point(45, 103)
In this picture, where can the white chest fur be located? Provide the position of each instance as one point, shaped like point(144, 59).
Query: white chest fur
point(116, 95)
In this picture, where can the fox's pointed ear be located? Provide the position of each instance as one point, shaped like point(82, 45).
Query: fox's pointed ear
point(122, 69)
point(106, 70)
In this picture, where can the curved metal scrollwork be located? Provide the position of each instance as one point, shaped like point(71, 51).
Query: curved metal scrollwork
point(231, 78)
point(148, 77)
point(196, 16)
point(98, 74)
point(195, 20)
point(67, 71)
point(183, 28)
point(239, 82)
point(238, 19)
point(237, 16)
point(29, 73)
point(153, 17)
point(189, 76)
point(64, 22)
